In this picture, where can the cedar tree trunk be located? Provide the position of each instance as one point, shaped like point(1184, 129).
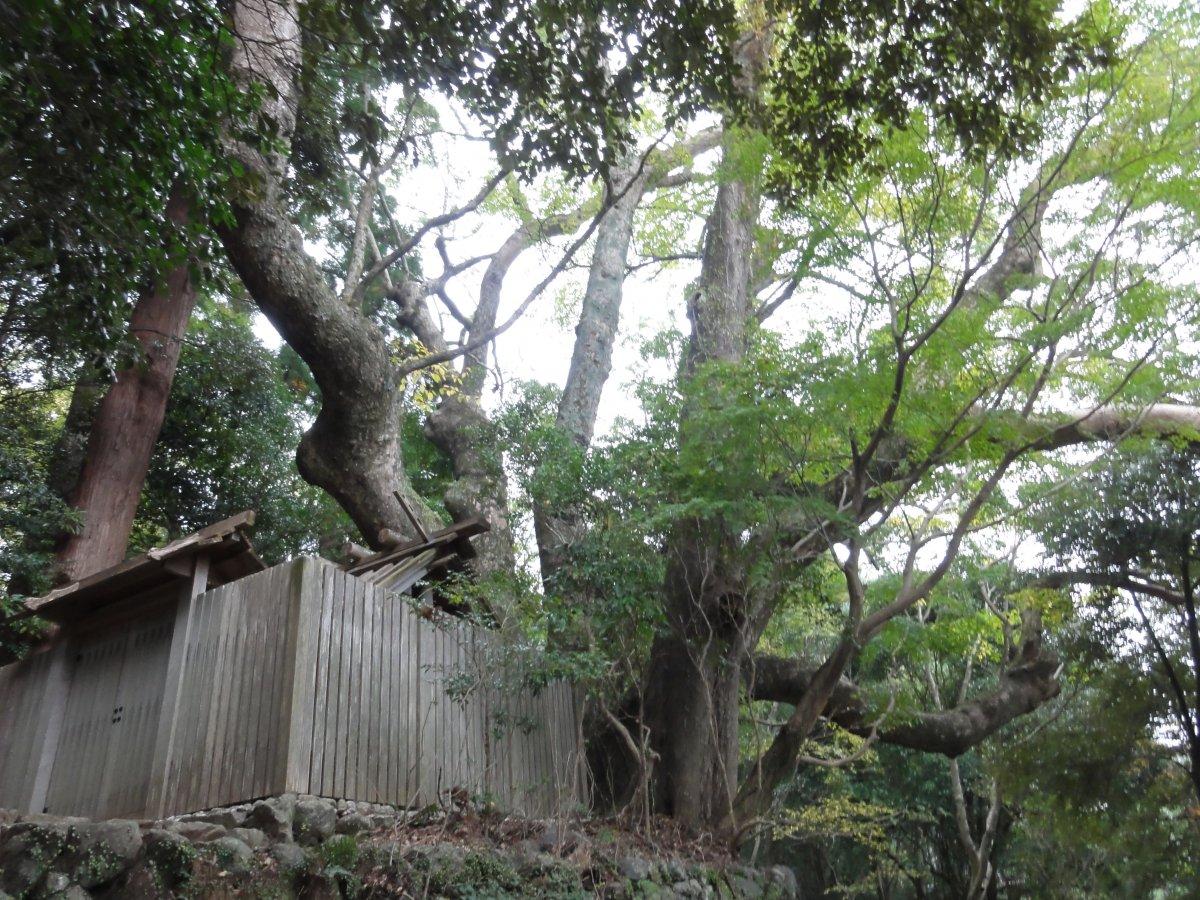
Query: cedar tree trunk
point(126, 423)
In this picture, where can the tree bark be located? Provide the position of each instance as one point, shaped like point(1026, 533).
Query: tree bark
point(692, 684)
point(126, 423)
point(353, 449)
point(591, 358)
point(599, 321)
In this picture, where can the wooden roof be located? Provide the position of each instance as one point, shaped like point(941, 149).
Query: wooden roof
point(402, 566)
point(453, 542)
point(230, 553)
point(231, 556)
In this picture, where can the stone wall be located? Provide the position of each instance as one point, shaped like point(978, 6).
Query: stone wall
point(300, 846)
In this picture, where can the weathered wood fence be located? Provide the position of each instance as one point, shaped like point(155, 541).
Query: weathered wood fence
point(299, 678)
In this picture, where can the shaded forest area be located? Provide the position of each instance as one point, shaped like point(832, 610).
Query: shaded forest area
point(864, 513)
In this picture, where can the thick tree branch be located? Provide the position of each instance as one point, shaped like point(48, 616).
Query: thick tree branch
point(1123, 580)
point(1028, 684)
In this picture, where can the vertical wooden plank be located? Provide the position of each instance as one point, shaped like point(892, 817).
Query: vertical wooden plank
point(251, 748)
point(176, 758)
point(300, 671)
point(478, 711)
point(387, 736)
point(187, 772)
point(283, 635)
point(352, 661)
point(524, 737)
point(546, 741)
point(436, 749)
point(231, 637)
point(173, 688)
point(436, 724)
point(458, 711)
point(368, 694)
point(405, 714)
point(22, 688)
point(386, 652)
point(45, 735)
point(210, 687)
point(563, 730)
point(321, 680)
point(378, 768)
point(233, 737)
point(347, 714)
point(335, 721)
point(362, 694)
point(219, 698)
point(348, 694)
point(421, 708)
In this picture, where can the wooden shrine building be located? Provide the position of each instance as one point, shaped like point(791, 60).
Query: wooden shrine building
point(192, 676)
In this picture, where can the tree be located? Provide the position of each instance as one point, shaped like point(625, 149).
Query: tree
point(104, 170)
point(352, 448)
point(1137, 532)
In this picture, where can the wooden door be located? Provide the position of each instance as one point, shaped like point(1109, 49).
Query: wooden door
point(102, 765)
point(139, 700)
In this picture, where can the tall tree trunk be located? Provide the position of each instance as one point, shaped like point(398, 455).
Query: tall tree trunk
point(694, 676)
point(125, 424)
point(599, 319)
point(353, 449)
point(591, 359)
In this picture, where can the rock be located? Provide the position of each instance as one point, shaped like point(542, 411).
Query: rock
point(73, 892)
point(171, 855)
point(635, 868)
point(313, 821)
point(55, 883)
point(273, 816)
point(321, 887)
point(47, 819)
point(292, 860)
point(782, 881)
point(647, 889)
point(232, 855)
point(103, 851)
point(227, 818)
point(556, 839)
point(144, 883)
point(353, 823)
point(251, 837)
point(198, 832)
point(693, 888)
point(28, 851)
point(745, 884)
point(674, 870)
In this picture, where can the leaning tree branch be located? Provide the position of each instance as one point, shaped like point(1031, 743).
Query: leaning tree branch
point(1029, 683)
point(1123, 580)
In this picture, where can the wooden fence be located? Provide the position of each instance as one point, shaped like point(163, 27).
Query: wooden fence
point(299, 678)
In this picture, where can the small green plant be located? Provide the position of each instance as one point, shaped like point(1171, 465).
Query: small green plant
point(340, 852)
